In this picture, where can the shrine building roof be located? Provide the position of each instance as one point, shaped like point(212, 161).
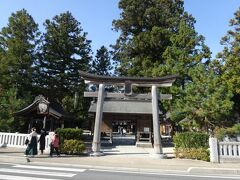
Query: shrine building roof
point(52, 109)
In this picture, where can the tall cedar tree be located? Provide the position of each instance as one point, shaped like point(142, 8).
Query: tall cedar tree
point(65, 51)
point(101, 65)
point(18, 42)
point(230, 58)
point(158, 38)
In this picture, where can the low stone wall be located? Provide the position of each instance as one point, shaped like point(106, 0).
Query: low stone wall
point(224, 151)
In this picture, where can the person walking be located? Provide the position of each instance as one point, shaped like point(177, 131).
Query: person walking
point(55, 143)
point(152, 139)
point(32, 145)
point(42, 141)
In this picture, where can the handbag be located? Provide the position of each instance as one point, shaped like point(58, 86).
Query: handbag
point(26, 142)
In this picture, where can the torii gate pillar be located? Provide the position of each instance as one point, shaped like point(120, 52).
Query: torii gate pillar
point(158, 152)
point(96, 144)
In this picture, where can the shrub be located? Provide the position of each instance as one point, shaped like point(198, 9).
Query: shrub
point(191, 145)
point(73, 146)
point(220, 133)
point(237, 128)
point(230, 132)
point(194, 153)
point(191, 140)
point(70, 133)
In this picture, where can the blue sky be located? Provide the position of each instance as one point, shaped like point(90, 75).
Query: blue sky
point(96, 17)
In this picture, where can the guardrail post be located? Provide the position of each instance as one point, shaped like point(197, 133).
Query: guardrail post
point(214, 155)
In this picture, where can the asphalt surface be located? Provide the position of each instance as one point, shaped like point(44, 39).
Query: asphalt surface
point(42, 172)
point(124, 158)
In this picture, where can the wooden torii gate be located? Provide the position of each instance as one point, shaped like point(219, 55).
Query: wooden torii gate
point(128, 83)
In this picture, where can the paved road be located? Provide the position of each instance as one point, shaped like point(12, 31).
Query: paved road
point(36, 172)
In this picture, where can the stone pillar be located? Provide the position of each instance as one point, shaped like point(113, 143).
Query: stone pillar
point(156, 126)
point(213, 147)
point(96, 145)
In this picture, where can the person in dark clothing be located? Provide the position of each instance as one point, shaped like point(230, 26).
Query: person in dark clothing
point(152, 140)
point(32, 145)
point(42, 141)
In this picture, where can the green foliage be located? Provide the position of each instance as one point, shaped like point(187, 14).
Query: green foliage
point(78, 106)
point(8, 105)
point(220, 133)
point(48, 65)
point(73, 146)
point(191, 145)
point(101, 65)
point(69, 133)
point(158, 38)
point(65, 51)
point(201, 105)
point(237, 128)
point(231, 132)
point(230, 54)
point(190, 140)
point(193, 153)
point(18, 41)
point(229, 58)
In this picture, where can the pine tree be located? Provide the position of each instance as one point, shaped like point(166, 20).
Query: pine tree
point(101, 65)
point(202, 106)
point(65, 51)
point(18, 41)
point(231, 54)
point(230, 60)
point(157, 38)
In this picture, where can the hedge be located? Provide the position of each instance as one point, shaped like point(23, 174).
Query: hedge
point(191, 140)
point(70, 133)
point(71, 140)
point(192, 145)
point(193, 153)
point(73, 146)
